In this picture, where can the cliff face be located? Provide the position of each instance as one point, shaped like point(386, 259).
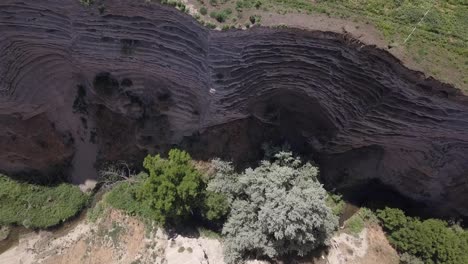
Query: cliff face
point(87, 84)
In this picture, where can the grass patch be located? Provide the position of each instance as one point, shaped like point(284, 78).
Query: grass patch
point(96, 212)
point(356, 223)
point(336, 203)
point(35, 206)
point(123, 197)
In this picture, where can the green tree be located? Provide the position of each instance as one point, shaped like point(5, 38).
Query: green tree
point(216, 206)
point(431, 240)
point(174, 189)
point(393, 218)
point(276, 209)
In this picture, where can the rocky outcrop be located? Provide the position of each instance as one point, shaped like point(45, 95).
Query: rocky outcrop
point(124, 78)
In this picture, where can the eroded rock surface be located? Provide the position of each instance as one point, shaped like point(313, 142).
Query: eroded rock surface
point(123, 78)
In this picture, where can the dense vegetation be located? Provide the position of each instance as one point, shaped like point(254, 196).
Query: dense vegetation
point(431, 240)
point(277, 208)
point(172, 192)
point(174, 188)
point(36, 206)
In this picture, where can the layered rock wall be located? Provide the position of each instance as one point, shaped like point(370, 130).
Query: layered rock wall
point(128, 78)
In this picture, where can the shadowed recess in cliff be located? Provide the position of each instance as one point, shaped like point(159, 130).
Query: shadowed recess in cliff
point(150, 77)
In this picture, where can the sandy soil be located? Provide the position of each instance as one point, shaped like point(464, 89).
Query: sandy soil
point(117, 238)
point(370, 247)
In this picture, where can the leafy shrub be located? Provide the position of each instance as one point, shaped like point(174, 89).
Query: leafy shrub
point(123, 196)
point(216, 206)
point(210, 25)
point(276, 209)
point(406, 258)
point(203, 10)
point(432, 240)
point(221, 16)
point(336, 203)
point(86, 2)
point(96, 212)
point(174, 188)
point(36, 206)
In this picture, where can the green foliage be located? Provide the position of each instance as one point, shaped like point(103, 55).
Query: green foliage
point(355, 224)
point(210, 25)
point(221, 16)
point(216, 206)
point(96, 212)
point(203, 10)
point(174, 188)
point(336, 203)
point(432, 240)
point(123, 197)
point(406, 258)
point(86, 2)
point(276, 209)
point(392, 218)
point(36, 206)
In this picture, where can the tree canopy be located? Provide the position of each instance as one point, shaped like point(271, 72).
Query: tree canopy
point(431, 240)
point(276, 209)
point(174, 188)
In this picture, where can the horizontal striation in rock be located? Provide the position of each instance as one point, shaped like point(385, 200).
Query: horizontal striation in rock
point(134, 78)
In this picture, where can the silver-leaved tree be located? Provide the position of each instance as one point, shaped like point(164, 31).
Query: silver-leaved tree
point(276, 209)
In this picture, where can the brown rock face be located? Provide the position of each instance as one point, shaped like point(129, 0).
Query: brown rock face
point(129, 78)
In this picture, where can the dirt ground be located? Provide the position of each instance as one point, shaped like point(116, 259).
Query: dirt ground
point(370, 247)
point(118, 238)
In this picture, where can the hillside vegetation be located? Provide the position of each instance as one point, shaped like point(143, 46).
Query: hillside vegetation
point(36, 206)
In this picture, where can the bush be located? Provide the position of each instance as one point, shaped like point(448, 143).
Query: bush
point(221, 16)
point(86, 2)
point(336, 203)
point(276, 209)
point(36, 206)
point(210, 25)
point(216, 206)
point(174, 188)
point(432, 240)
point(406, 258)
point(203, 10)
point(123, 196)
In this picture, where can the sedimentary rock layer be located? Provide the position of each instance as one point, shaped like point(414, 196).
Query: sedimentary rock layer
point(123, 78)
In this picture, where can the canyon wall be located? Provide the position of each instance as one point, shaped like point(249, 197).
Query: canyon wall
point(119, 80)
